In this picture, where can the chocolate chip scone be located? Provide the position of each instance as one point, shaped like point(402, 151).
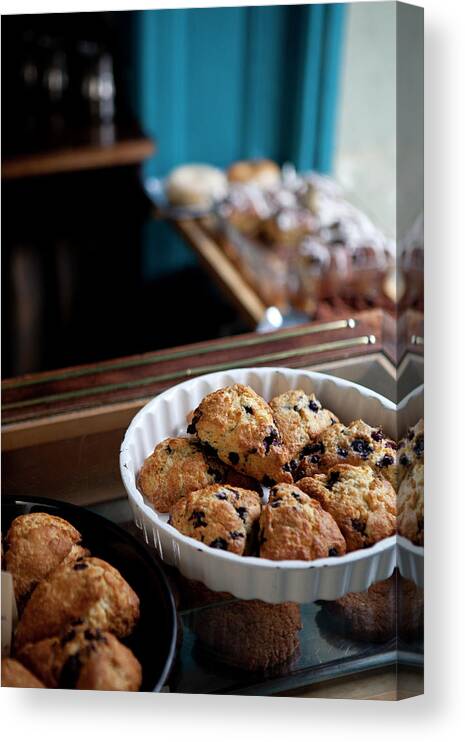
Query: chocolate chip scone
point(294, 526)
point(15, 675)
point(37, 543)
point(356, 444)
point(220, 516)
point(179, 466)
point(362, 502)
point(85, 659)
point(410, 505)
point(237, 425)
point(90, 590)
point(300, 417)
point(411, 448)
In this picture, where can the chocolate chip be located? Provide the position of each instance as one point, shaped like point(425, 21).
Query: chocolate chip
point(268, 481)
point(342, 452)
point(333, 421)
point(404, 460)
point(332, 551)
point(233, 457)
point(358, 525)
point(219, 543)
point(361, 447)
point(296, 408)
point(272, 439)
point(332, 479)
point(297, 496)
point(235, 535)
point(419, 446)
point(314, 406)
point(385, 461)
point(70, 672)
point(242, 513)
point(378, 435)
point(249, 410)
point(312, 448)
point(80, 566)
point(197, 517)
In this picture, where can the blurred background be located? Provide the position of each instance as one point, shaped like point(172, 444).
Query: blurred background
point(94, 105)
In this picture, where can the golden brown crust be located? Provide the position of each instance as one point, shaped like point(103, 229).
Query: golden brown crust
point(90, 590)
point(15, 675)
point(179, 466)
point(300, 417)
point(293, 526)
point(410, 505)
point(263, 172)
point(37, 544)
point(411, 448)
point(220, 516)
point(83, 658)
point(357, 444)
point(362, 503)
point(237, 425)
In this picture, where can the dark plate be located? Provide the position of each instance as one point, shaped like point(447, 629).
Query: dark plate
point(154, 638)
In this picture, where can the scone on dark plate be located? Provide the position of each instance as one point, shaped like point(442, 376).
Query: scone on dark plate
point(357, 444)
point(90, 590)
point(410, 505)
point(15, 675)
point(411, 448)
point(293, 526)
point(300, 417)
point(220, 516)
point(237, 425)
point(85, 659)
point(362, 503)
point(37, 543)
point(179, 466)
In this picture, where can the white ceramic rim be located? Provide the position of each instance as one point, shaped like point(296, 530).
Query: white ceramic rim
point(289, 564)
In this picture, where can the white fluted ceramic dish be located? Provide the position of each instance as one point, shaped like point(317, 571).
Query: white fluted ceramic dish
point(250, 577)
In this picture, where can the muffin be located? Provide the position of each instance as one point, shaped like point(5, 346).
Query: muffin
point(411, 448)
point(85, 659)
point(15, 675)
point(294, 526)
point(300, 417)
point(362, 503)
point(219, 516)
point(37, 543)
point(410, 505)
point(237, 425)
point(357, 444)
point(90, 590)
point(248, 634)
point(179, 466)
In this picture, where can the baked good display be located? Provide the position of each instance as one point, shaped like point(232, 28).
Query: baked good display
point(237, 425)
point(15, 675)
point(179, 466)
point(262, 172)
point(410, 505)
point(411, 448)
point(300, 418)
point(37, 543)
point(295, 526)
point(221, 516)
point(358, 444)
point(361, 501)
point(195, 185)
point(90, 590)
point(83, 658)
point(369, 616)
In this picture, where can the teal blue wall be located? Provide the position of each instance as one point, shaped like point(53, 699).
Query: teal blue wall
point(219, 84)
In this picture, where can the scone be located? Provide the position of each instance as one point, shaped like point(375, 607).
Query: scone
point(37, 543)
point(248, 634)
point(219, 516)
point(83, 658)
point(411, 448)
point(264, 173)
point(357, 444)
point(90, 590)
point(237, 425)
point(196, 185)
point(300, 417)
point(15, 675)
point(369, 616)
point(179, 466)
point(410, 505)
point(293, 526)
point(362, 503)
